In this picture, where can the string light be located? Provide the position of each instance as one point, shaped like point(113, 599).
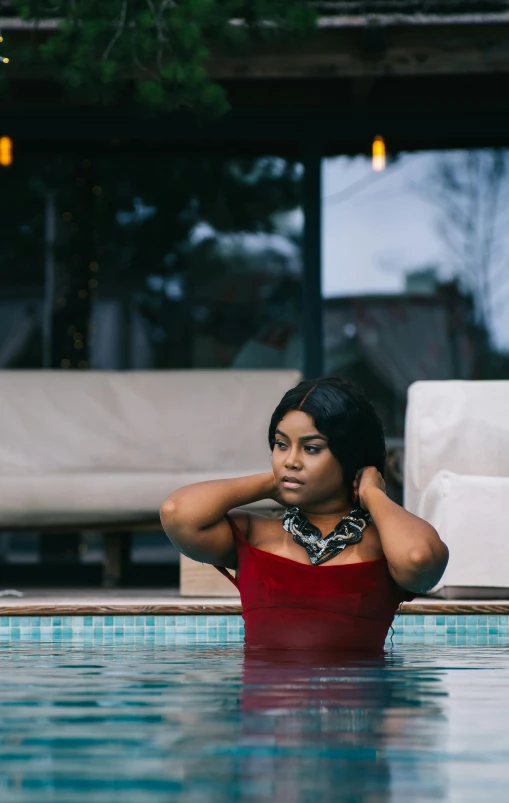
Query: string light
point(5, 151)
point(378, 158)
point(4, 59)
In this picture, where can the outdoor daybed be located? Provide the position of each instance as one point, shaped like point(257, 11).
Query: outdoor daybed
point(100, 449)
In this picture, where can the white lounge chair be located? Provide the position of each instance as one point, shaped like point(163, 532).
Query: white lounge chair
point(457, 478)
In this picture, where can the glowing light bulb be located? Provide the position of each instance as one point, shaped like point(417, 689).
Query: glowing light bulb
point(5, 151)
point(5, 60)
point(378, 159)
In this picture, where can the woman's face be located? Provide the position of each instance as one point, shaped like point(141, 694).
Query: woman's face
point(307, 473)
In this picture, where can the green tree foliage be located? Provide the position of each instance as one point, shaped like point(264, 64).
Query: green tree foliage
point(161, 47)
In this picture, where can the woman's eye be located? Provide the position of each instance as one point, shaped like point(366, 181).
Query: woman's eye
point(313, 449)
point(280, 445)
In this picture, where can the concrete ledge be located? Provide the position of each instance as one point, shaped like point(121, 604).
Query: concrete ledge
point(425, 606)
point(140, 602)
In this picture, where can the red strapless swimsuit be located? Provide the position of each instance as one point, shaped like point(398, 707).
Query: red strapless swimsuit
point(291, 605)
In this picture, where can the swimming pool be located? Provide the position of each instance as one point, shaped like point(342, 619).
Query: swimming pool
point(104, 717)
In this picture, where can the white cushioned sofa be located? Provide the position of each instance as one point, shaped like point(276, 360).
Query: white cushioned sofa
point(457, 478)
point(100, 449)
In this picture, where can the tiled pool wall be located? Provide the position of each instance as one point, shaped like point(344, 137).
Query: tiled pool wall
point(447, 629)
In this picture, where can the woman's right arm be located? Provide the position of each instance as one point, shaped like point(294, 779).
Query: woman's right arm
point(193, 517)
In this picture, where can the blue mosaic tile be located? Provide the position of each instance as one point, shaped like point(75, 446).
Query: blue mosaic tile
point(448, 629)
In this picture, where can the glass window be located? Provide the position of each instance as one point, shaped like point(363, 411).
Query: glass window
point(133, 258)
point(416, 280)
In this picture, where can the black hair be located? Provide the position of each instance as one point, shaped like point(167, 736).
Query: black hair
point(343, 413)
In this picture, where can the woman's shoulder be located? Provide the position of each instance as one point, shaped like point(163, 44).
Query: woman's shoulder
point(256, 527)
point(372, 542)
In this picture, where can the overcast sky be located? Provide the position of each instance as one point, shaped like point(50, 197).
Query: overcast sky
point(377, 227)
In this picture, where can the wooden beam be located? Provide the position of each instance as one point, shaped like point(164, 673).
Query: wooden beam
point(346, 46)
point(376, 51)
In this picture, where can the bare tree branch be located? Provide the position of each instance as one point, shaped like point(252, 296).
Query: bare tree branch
point(471, 193)
point(118, 32)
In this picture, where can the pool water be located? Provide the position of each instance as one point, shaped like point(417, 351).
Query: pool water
point(144, 722)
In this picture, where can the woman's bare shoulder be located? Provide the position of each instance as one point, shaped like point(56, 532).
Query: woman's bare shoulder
point(263, 529)
point(372, 542)
point(255, 526)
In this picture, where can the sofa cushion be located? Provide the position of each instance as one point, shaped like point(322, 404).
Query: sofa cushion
point(96, 499)
point(161, 421)
point(469, 513)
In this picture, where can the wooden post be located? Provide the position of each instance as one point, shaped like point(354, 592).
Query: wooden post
point(116, 556)
point(49, 278)
point(312, 307)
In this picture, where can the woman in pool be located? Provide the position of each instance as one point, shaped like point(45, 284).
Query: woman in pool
point(331, 574)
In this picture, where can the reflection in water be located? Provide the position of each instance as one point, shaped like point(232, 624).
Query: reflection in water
point(324, 724)
point(148, 722)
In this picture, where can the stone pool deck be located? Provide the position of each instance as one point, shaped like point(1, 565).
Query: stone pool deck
point(127, 601)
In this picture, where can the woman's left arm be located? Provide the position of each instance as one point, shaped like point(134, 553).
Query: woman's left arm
point(415, 554)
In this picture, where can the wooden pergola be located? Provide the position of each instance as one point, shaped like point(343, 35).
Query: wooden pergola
point(425, 75)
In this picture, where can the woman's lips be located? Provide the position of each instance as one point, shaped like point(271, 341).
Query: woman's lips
point(291, 484)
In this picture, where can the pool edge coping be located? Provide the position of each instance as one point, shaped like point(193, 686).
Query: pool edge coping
point(197, 607)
